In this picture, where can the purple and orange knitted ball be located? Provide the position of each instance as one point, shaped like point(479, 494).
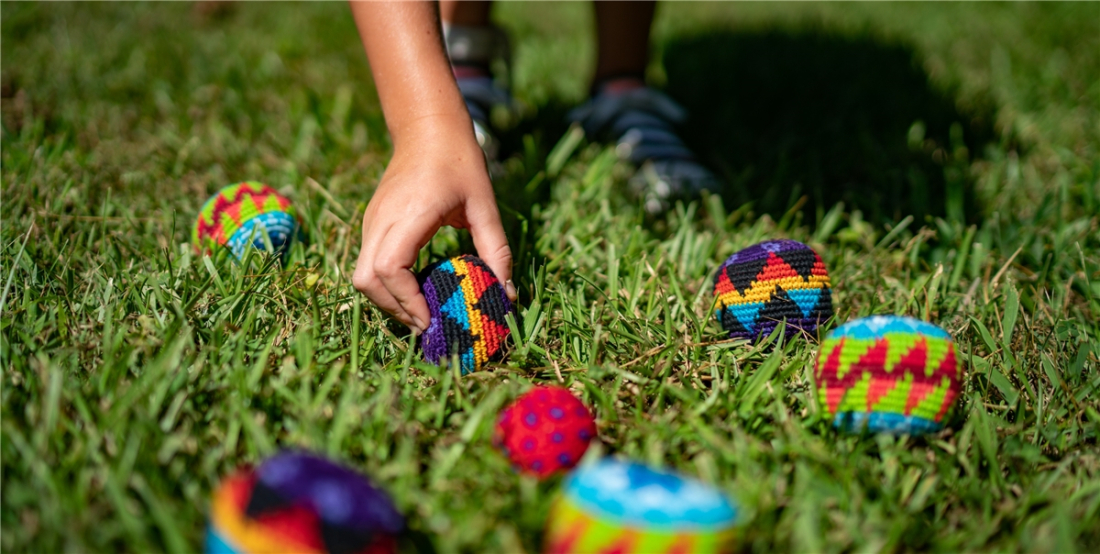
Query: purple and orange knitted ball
point(468, 306)
point(545, 430)
point(240, 215)
point(298, 502)
point(773, 281)
point(889, 374)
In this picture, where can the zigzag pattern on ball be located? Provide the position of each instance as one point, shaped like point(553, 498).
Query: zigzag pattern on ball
point(770, 282)
point(232, 209)
point(889, 365)
point(571, 529)
point(468, 306)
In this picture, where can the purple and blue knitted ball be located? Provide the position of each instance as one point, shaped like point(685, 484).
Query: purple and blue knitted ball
point(770, 282)
point(468, 307)
point(298, 502)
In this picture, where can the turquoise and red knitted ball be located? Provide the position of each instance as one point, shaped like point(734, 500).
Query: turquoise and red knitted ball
point(630, 508)
point(770, 282)
point(302, 503)
point(468, 306)
point(889, 374)
point(244, 215)
point(546, 430)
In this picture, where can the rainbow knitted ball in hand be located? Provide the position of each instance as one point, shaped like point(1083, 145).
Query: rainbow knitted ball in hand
point(544, 431)
point(773, 281)
point(626, 507)
point(240, 215)
point(889, 374)
point(468, 306)
point(298, 502)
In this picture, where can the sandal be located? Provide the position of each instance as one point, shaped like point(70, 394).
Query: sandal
point(641, 123)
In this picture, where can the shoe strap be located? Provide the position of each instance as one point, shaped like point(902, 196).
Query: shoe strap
point(602, 113)
point(475, 45)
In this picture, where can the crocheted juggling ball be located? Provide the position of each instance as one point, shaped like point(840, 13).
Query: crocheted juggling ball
point(545, 431)
point(239, 215)
point(769, 282)
point(297, 502)
point(889, 374)
point(626, 507)
point(468, 305)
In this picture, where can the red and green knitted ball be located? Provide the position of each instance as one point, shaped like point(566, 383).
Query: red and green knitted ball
point(468, 307)
point(303, 503)
point(889, 374)
point(771, 282)
point(240, 215)
point(545, 430)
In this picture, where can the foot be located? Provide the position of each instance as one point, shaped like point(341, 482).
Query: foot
point(641, 122)
point(473, 50)
point(481, 95)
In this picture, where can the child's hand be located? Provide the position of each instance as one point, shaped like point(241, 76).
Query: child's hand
point(437, 177)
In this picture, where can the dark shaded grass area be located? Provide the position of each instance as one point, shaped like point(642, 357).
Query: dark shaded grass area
point(830, 117)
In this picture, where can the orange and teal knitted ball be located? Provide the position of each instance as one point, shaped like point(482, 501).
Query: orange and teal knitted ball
point(773, 281)
point(546, 430)
point(302, 503)
point(239, 216)
point(627, 507)
point(889, 374)
point(468, 306)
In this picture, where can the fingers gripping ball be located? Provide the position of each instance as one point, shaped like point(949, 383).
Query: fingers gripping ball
point(626, 507)
point(891, 374)
point(240, 215)
point(297, 502)
point(770, 282)
point(468, 305)
point(545, 431)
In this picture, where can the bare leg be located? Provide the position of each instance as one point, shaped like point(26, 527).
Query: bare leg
point(622, 30)
point(474, 13)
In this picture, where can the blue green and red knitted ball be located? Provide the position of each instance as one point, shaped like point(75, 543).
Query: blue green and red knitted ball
point(546, 430)
point(890, 374)
point(468, 307)
point(243, 215)
point(771, 282)
point(299, 502)
point(630, 508)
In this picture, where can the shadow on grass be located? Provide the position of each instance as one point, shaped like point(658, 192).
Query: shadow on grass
point(783, 115)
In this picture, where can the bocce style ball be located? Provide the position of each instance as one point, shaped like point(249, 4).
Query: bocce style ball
point(545, 430)
point(467, 305)
point(770, 282)
point(298, 502)
point(890, 374)
point(240, 215)
point(627, 507)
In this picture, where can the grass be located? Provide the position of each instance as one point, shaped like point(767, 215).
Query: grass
point(136, 374)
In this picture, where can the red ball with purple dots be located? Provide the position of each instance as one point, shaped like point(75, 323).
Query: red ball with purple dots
point(545, 430)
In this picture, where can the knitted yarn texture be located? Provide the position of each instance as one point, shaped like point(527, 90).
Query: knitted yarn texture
point(468, 305)
point(239, 215)
point(889, 374)
point(545, 430)
point(627, 507)
point(770, 282)
point(297, 502)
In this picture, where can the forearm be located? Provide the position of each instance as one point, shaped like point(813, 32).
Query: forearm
point(410, 68)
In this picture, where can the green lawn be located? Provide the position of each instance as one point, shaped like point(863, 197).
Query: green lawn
point(943, 158)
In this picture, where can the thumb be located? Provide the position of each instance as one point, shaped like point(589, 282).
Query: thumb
point(492, 245)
